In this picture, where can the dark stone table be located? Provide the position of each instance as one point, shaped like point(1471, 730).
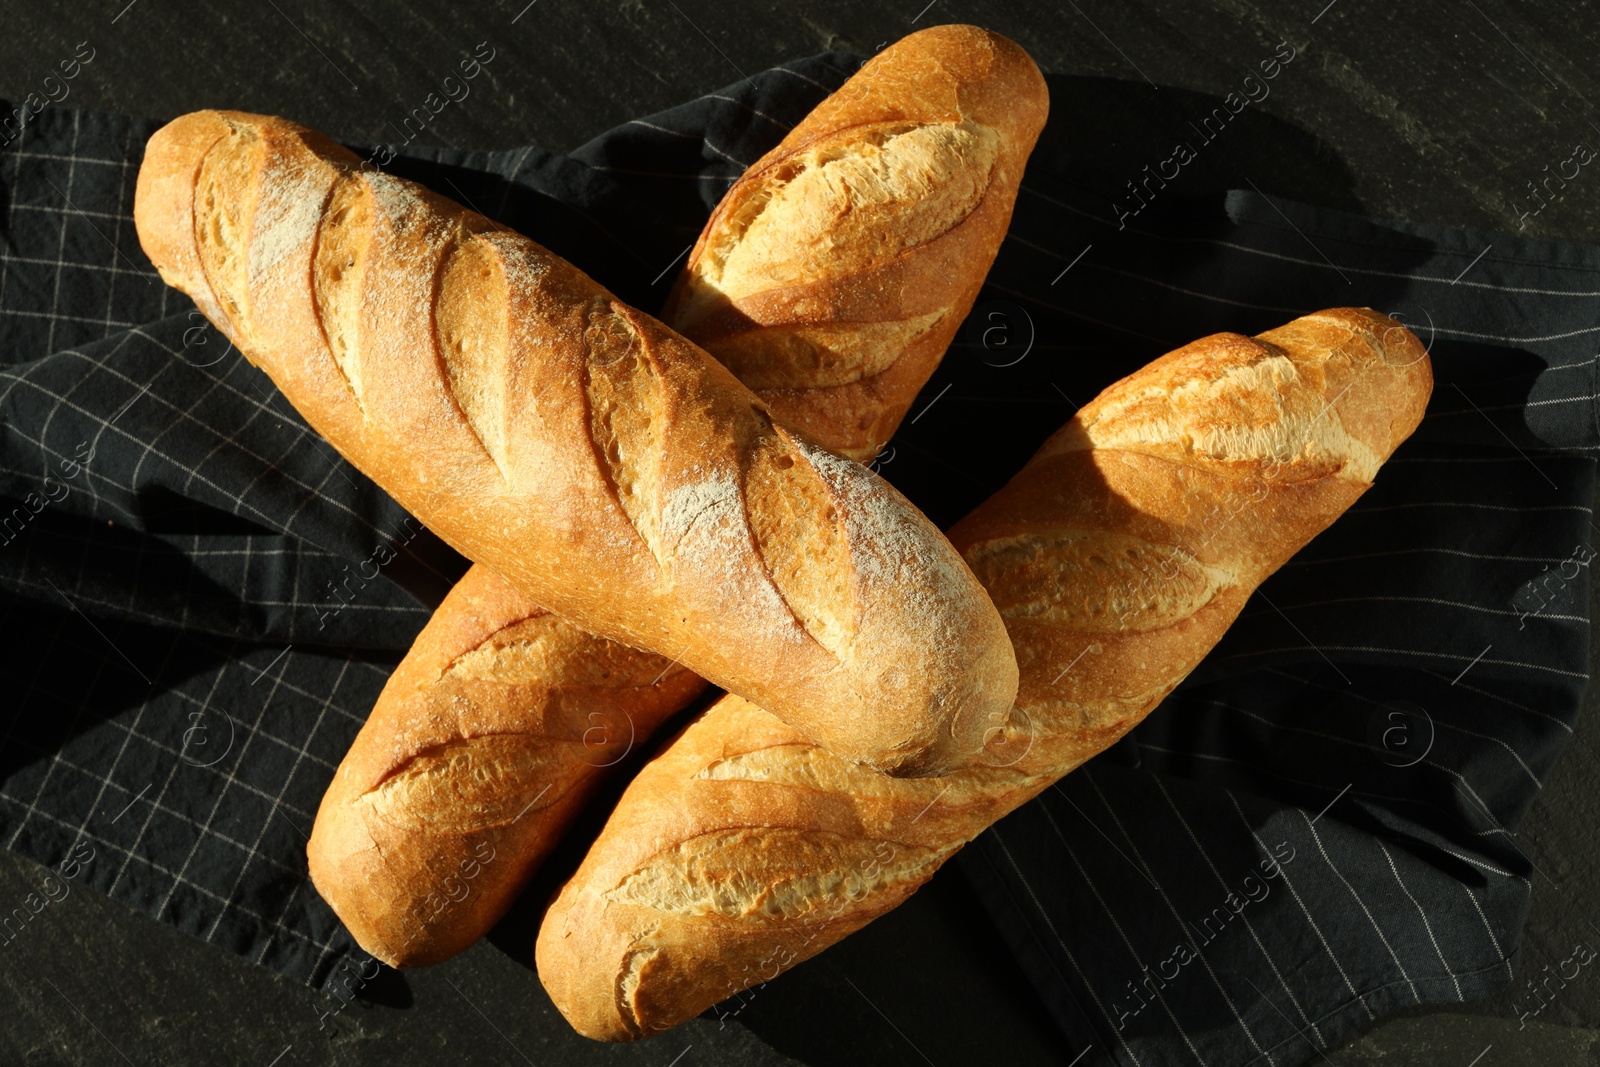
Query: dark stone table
point(1430, 110)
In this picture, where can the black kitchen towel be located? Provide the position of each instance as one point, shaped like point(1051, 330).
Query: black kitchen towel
point(1317, 826)
point(205, 600)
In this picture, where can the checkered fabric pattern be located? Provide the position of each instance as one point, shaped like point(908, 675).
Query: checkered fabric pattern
point(204, 598)
point(200, 620)
point(1318, 826)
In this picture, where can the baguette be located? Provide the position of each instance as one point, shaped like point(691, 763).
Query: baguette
point(416, 906)
point(603, 465)
point(834, 274)
point(1118, 557)
point(444, 805)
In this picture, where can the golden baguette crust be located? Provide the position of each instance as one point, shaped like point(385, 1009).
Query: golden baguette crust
point(493, 732)
point(599, 462)
point(834, 274)
point(732, 855)
point(1118, 556)
point(855, 414)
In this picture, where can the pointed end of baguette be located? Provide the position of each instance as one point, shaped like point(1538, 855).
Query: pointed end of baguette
point(1330, 394)
point(344, 862)
point(1386, 379)
point(592, 1000)
point(995, 79)
point(163, 201)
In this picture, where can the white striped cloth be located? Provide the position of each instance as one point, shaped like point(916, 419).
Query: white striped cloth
point(205, 605)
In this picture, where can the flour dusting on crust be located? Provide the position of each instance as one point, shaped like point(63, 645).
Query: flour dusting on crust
point(287, 217)
point(895, 548)
point(705, 534)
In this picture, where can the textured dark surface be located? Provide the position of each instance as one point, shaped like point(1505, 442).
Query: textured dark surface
point(1438, 112)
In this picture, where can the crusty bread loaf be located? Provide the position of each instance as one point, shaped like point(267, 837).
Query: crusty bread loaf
point(599, 462)
point(402, 910)
point(445, 804)
point(1118, 557)
point(834, 274)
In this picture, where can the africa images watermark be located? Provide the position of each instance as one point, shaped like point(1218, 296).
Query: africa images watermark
point(1582, 156)
point(455, 888)
point(53, 492)
point(1168, 970)
point(1561, 594)
point(1255, 90)
point(379, 558)
point(55, 890)
point(455, 91)
point(1544, 993)
point(1401, 733)
point(354, 979)
point(55, 90)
